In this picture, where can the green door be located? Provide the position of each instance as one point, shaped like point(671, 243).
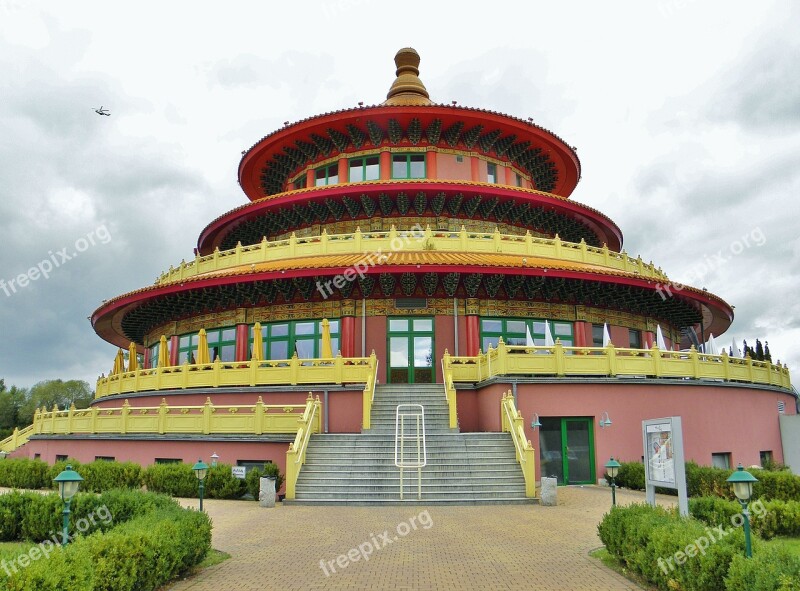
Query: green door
point(410, 346)
point(566, 446)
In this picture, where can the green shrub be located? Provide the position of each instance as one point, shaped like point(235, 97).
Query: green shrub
point(142, 554)
point(101, 475)
point(253, 479)
point(770, 569)
point(782, 485)
point(630, 476)
point(713, 511)
point(12, 507)
point(222, 484)
point(24, 473)
point(175, 480)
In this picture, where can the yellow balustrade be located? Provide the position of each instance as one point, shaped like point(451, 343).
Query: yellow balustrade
point(276, 372)
point(296, 454)
point(558, 360)
point(512, 422)
point(394, 240)
point(369, 395)
point(17, 439)
point(449, 389)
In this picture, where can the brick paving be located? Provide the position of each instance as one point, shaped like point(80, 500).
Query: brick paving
point(489, 547)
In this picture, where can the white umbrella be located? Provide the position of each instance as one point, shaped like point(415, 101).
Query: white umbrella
point(548, 338)
point(711, 345)
point(606, 335)
point(735, 350)
point(528, 338)
point(660, 343)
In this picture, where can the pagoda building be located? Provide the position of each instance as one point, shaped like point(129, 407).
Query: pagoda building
point(425, 243)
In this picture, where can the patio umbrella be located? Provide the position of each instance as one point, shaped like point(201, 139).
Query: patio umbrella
point(258, 343)
point(735, 350)
point(606, 335)
point(660, 343)
point(711, 346)
point(203, 356)
point(548, 338)
point(163, 352)
point(119, 363)
point(528, 338)
point(133, 360)
point(326, 351)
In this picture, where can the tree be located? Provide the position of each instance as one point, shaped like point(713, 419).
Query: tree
point(52, 393)
point(767, 354)
point(759, 351)
point(11, 401)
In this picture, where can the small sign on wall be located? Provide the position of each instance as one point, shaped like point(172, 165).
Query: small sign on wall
point(239, 471)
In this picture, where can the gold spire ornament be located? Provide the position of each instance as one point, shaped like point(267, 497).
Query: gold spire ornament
point(407, 89)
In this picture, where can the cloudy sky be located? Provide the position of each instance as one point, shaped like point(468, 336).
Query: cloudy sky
point(685, 114)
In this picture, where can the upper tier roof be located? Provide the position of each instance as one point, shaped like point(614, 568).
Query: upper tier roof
point(409, 118)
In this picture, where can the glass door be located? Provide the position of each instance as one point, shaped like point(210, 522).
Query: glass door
point(410, 345)
point(566, 449)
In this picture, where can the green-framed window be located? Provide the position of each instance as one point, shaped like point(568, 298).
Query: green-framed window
point(410, 344)
point(326, 175)
point(300, 182)
point(519, 179)
point(221, 344)
point(408, 166)
point(280, 340)
point(367, 168)
point(154, 355)
point(491, 172)
point(514, 331)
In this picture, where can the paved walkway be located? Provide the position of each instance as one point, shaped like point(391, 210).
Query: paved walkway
point(489, 547)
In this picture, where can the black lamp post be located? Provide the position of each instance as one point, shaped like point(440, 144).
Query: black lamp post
point(200, 470)
point(68, 483)
point(742, 482)
point(612, 469)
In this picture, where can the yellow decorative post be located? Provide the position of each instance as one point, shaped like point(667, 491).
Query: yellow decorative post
point(291, 471)
point(208, 408)
point(70, 417)
point(259, 416)
point(126, 410)
point(163, 410)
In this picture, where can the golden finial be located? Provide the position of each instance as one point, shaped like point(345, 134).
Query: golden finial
point(407, 89)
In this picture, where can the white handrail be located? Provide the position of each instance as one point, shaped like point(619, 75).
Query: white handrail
point(418, 437)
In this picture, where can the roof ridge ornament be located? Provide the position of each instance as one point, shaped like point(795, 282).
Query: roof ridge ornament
point(407, 89)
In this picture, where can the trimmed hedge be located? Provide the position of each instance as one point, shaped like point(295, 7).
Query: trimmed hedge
point(24, 473)
point(706, 481)
point(768, 518)
point(101, 475)
point(253, 479)
point(656, 544)
point(147, 541)
point(179, 480)
point(770, 570)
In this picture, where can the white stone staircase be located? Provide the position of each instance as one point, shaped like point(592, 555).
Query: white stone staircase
point(359, 468)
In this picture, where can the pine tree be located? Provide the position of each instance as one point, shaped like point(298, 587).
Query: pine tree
point(746, 350)
point(759, 351)
point(767, 354)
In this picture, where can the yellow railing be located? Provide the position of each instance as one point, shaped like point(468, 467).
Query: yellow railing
point(512, 422)
point(17, 439)
point(296, 454)
point(245, 419)
point(368, 396)
point(394, 240)
point(336, 370)
point(449, 389)
point(558, 360)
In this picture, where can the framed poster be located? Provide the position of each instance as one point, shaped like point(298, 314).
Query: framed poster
point(663, 459)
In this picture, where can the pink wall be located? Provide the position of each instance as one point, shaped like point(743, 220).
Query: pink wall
point(344, 412)
point(739, 420)
point(444, 339)
point(448, 168)
point(376, 339)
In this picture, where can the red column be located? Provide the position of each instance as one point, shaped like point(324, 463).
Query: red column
point(147, 357)
point(311, 177)
point(347, 337)
point(242, 342)
point(386, 165)
point(431, 165)
point(475, 169)
point(649, 339)
point(473, 336)
point(344, 171)
point(510, 176)
point(579, 332)
point(173, 350)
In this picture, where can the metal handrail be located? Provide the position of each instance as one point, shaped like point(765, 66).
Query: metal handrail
point(399, 444)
